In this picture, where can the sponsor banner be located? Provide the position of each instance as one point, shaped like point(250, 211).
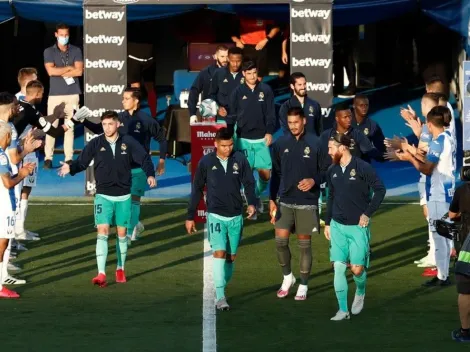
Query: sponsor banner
point(202, 143)
point(466, 106)
point(105, 49)
point(311, 43)
point(182, 2)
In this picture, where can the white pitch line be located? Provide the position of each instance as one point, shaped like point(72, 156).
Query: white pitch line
point(209, 333)
point(170, 204)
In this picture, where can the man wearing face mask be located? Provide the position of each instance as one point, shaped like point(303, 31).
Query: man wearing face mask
point(64, 65)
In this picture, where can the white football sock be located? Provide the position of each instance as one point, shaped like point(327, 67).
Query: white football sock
point(1, 276)
point(24, 208)
point(19, 222)
point(6, 259)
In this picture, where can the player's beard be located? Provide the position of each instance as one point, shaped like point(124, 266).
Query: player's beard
point(302, 93)
point(221, 64)
point(337, 158)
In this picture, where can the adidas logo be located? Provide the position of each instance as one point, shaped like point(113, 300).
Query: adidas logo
point(315, 229)
point(244, 97)
point(214, 167)
point(103, 149)
point(225, 80)
point(335, 176)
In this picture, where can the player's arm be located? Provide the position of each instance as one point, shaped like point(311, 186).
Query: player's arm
point(378, 139)
point(84, 159)
point(96, 128)
point(8, 181)
point(270, 113)
point(283, 117)
point(275, 182)
point(322, 167)
point(232, 113)
point(140, 157)
point(366, 147)
point(158, 133)
point(194, 92)
point(214, 88)
point(17, 153)
point(432, 158)
point(329, 201)
point(376, 184)
point(248, 182)
point(197, 189)
point(318, 119)
point(454, 209)
point(53, 71)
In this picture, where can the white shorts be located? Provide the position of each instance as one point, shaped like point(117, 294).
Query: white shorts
point(30, 180)
point(436, 210)
point(7, 224)
point(422, 193)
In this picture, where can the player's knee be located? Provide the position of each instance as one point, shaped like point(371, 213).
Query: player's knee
point(136, 199)
point(219, 254)
point(103, 230)
point(357, 269)
point(339, 267)
point(305, 244)
point(282, 243)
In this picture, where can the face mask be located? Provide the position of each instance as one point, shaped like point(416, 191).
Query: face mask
point(63, 40)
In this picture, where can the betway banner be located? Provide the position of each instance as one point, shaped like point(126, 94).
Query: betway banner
point(105, 48)
point(311, 43)
point(466, 106)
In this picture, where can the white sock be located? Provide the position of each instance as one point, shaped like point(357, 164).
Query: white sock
point(6, 260)
point(1, 276)
point(289, 277)
point(24, 208)
point(19, 222)
point(303, 288)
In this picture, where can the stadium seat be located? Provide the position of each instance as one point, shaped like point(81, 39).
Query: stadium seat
point(183, 79)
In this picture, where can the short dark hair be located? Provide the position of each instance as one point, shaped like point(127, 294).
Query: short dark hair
point(110, 114)
point(136, 93)
point(295, 76)
point(296, 111)
point(7, 98)
point(223, 134)
point(434, 97)
point(61, 26)
point(34, 85)
point(341, 139)
point(25, 72)
point(434, 79)
point(342, 107)
point(221, 47)
point(234, 50)
point(361, 96)
point(249, 65)
point(439, 116)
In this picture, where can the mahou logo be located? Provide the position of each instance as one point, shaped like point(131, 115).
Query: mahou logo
point(207, 150)
point(202, 134)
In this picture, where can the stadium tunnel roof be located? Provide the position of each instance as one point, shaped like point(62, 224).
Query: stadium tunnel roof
point(453, 14)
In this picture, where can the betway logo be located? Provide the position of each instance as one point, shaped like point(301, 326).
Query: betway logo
point(104, 88)
point(104, 15)
point(104, 39)
point(118, 65)
point(201, 134)
point(325, 112)
point(311, 38)
point(309, 13)
point(318, 87)
point(100, 112)
point(309, 62)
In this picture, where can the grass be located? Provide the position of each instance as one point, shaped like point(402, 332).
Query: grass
point(160, 308)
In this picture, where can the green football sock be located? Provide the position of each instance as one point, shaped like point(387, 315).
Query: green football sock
point(101, 253)
point(341, 286)
point(261, 186)
point(135, 216)
point(228, 271)
point(121, 252)
point(361, 283)
point(219, 277)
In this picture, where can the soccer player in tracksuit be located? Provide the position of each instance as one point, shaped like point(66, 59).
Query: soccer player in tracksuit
point(297, 175)
point(251, 108)
point(113, 155)
point(143, 128)
point(349, 209)
point(224, 172)
point(439, 168)
point(226, 80)
point(370, 128)
point(203, 82)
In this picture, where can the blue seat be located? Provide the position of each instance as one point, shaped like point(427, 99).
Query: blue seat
point(183, 79)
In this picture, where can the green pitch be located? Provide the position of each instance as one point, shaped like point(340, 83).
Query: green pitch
point(160, 308)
